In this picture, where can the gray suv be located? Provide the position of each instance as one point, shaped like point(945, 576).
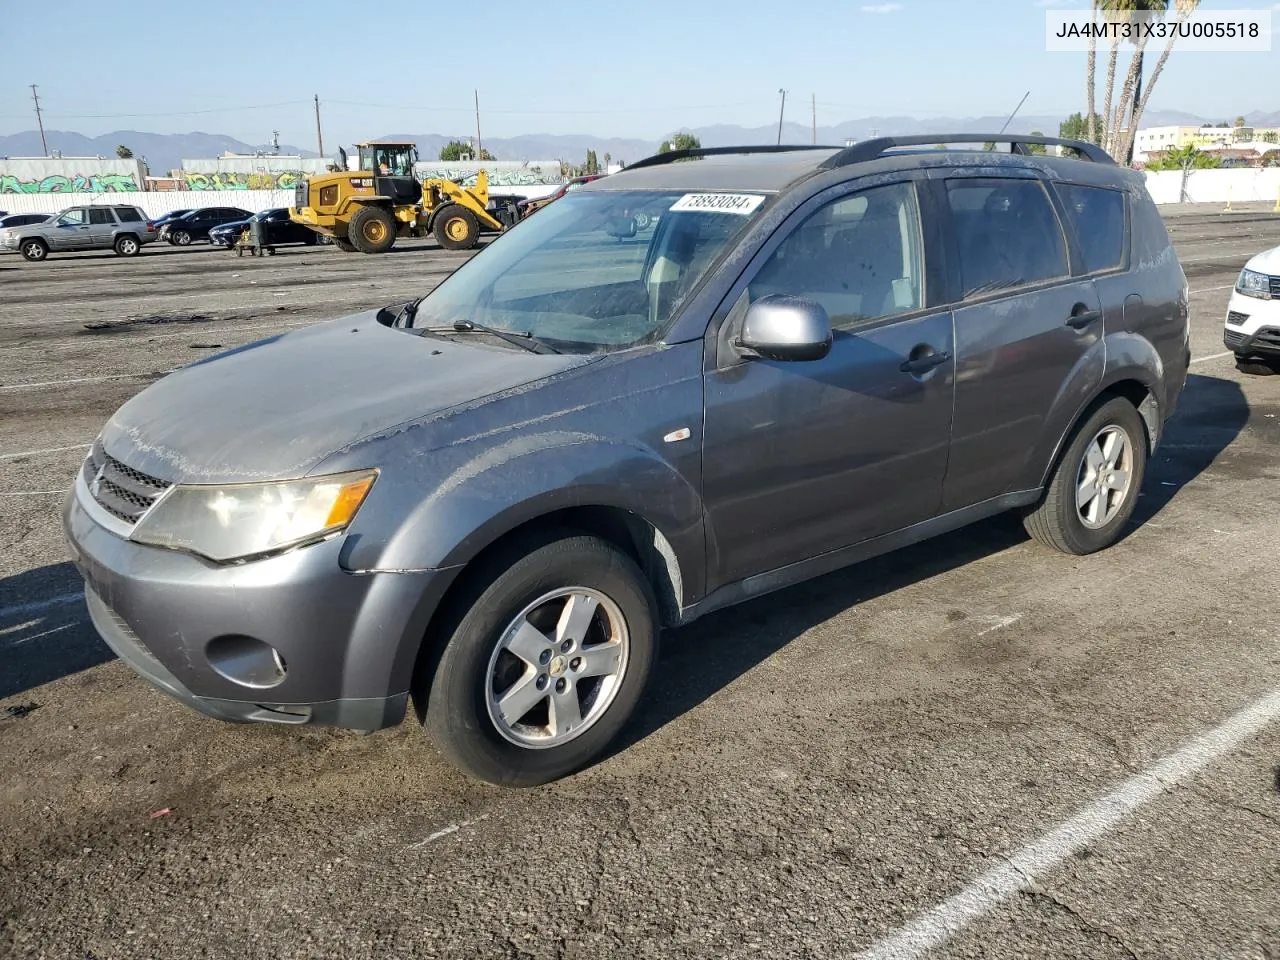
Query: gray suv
point(713, 375)
point(120, 228)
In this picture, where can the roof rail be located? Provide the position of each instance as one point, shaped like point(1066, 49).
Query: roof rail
point(673, 155)
point(871, 149)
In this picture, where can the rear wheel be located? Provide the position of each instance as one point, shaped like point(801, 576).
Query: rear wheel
point(127, 246)
point(34, 250)
point(372, 230)
point(456, 228)
point(545, 663)
point(1095, 487)
point(180, 238)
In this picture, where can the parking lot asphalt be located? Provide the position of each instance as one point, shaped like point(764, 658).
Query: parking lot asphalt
point(975, 747)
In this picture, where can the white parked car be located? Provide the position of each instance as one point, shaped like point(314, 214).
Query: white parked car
point(1253, 314)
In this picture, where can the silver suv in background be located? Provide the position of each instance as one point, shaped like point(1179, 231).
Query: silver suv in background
point(123, 229)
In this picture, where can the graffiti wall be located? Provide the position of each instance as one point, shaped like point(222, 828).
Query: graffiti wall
point(71, 175)
point(502, 173)
point(226, 180)
point(266, 172)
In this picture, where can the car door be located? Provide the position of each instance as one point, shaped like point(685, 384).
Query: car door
point(70, 231)
point(102, 227)
point(802, 458)
point(1023, 325)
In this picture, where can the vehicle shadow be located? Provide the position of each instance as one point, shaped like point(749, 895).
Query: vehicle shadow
point(703, 658)
point(1211, 413)
point(45, 633)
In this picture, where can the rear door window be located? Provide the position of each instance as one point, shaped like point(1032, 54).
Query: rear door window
point(101, 215)
point(1007, 234)
point(1097, 216)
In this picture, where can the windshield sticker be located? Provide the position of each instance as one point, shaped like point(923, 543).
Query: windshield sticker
point(739, 203)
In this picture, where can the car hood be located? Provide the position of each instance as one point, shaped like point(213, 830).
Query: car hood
point(1266, 262)
point(274, 409)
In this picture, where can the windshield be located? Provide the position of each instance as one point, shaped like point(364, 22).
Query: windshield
point(388, 160)
point(596, 271)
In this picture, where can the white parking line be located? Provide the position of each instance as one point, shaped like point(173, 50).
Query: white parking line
point(1027, 865)
point(33, 453)
point(37, 636)
point(30, 493)
point(35, 606)
point(63, 383)
point(1212, 356)
point(1225, 286)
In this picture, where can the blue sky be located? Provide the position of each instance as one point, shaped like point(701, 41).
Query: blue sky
point(618, 68)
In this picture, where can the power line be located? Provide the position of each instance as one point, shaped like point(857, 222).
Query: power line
point(535, 112)
point(176, 113)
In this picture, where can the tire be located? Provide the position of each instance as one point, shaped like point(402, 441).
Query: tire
point(180, 238)
point(344, 245)
point(456, 227)
point(127, 246)
point(34, 250)
point(1058, 521)
point(372, 230)
point(461, 713)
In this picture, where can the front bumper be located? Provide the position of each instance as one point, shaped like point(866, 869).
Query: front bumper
point(347, 641)
point(1252, 326)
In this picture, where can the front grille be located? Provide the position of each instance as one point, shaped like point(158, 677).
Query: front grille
point(300, 195)
point(120, 490)
point(1275, 286)
point(1236, 319)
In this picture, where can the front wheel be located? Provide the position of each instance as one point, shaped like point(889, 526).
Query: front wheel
point(34, 250)
point(545, 662)
point(181, 238)
point(456, 228)
point(1094, 489)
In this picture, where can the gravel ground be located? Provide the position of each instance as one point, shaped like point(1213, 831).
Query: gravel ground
point(810, 771)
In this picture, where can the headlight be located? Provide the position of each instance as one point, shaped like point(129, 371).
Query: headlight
point(1253, 284)
point(242, 520)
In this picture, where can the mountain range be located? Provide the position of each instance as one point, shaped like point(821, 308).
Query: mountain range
point(166, 151)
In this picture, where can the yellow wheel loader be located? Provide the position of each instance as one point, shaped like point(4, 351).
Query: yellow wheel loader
point(367, 209)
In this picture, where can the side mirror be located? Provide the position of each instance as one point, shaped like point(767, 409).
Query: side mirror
point(780, 327)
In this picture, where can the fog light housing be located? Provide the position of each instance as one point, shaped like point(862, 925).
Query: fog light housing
point(246, 661)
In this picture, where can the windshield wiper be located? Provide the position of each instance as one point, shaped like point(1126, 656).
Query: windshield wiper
point(523, 339)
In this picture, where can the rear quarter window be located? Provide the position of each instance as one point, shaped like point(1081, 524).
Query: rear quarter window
point(1097, 216)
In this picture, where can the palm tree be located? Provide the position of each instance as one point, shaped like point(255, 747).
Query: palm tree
point(1140, 11)
point(1091, 131)
point(1113, 11)
point(1185, 9)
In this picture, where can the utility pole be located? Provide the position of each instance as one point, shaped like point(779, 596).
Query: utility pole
point(814, 104)
point(781, 110)
point(479, 146)
point(319, 136)
point(39, 120)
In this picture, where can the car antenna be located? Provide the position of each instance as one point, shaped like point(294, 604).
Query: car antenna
point(1015, 111)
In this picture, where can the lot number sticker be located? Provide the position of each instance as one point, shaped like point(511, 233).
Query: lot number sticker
point(739, 203)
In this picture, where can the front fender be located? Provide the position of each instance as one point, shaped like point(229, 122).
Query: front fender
point(480, 497)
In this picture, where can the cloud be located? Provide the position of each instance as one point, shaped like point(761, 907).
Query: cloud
point(882, 8)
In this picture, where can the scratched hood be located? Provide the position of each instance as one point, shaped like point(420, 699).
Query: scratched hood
point(276, 408)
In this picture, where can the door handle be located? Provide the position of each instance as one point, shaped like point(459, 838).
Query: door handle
point(923, 359)
point(1082, 316)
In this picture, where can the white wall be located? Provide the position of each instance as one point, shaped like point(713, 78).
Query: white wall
point(1240, 185)
point(53, 174)
point(155, 204)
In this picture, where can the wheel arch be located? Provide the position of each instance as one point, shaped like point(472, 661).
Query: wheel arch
point(1127, 386)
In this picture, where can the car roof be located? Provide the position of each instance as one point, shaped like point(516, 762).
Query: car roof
point(768, 169)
